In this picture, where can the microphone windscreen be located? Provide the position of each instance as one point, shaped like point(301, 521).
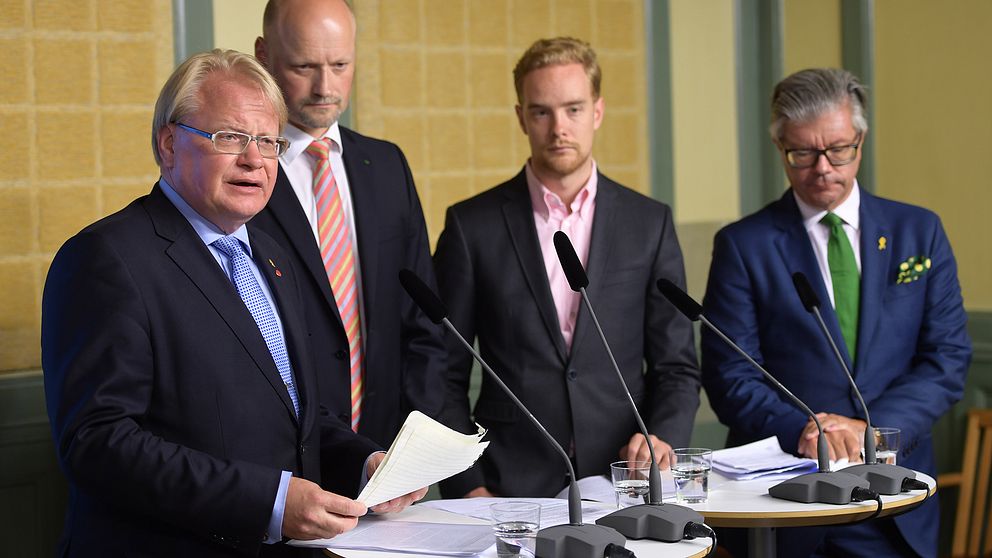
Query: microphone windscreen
point(423, 296)
point(570, 263)
point(680, 299)
point(806, 292)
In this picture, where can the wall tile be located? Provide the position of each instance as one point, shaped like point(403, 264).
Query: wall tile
point(445, 22)
point(53, 83)
point(126, 144)
point(126, 72)
point(17, 297)
point(63, 15)
point(13, 71)
point(16, 226)
point(14, 162)
point(65, 145)
point(487, 24)
point(610, 144)
point(64, 212)
point(125, 15)
point(401, 75)
point(574, 19)
point(19, 348)
point(530, 21)
point(446, 83)
point(619, 26)
point(449, 142)
point(491, 81)
point(12, 14)
point(400, 22)
point(622, 80)
point(407, 131)
point(493, 136)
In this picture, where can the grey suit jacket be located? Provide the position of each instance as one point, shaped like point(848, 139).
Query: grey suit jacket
point(492, 278)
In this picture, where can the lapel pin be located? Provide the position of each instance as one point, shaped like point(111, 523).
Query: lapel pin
point(366, 161)
point(273, 264)
point(881, 243)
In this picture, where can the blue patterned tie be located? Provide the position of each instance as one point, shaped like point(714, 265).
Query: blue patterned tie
point(261, 310)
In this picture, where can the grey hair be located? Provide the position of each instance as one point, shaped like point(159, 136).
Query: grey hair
point(180, 95)
point(808, 94)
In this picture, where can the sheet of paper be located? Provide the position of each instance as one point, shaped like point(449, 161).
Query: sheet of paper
point(760, 459)
point(554, 511)
point(424, 452)
point(436, 539)
point(600, 488)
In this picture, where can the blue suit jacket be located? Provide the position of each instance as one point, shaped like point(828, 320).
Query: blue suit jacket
point(913, 350)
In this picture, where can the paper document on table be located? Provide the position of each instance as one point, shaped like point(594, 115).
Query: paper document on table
point(413, 537)
point(554, 511)
point(759, 460)
point(600, 488)
point(424, 452)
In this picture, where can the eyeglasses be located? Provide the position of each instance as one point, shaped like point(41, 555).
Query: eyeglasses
point(235, 143)
point(838, 156)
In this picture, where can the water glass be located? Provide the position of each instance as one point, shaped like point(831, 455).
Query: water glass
point(515, 525)
point(691, 469)
point(886, 444)
point(630, 482)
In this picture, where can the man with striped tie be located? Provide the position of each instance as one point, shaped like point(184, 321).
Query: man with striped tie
point(346, 208)
point(178, 373)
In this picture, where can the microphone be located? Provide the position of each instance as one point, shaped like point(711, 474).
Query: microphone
point(884, 478)
point(823, 486)
point(575, 539)
point(654, 520)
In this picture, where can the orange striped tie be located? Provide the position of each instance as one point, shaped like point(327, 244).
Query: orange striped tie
point(339, 262)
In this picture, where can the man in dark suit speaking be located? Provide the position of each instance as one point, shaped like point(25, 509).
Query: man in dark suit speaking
point(888, 282)
point(499, 275)
point(346, 209)
point(178, 371)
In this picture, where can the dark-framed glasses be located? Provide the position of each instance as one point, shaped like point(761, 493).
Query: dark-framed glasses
point(235, 143)
point(838, 155)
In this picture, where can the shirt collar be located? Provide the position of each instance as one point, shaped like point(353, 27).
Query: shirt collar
point(848, 210)
point(300, 140)
point(543, 200)
point(207, 231)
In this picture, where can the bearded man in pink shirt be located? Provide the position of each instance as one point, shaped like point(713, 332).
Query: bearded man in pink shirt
point(499, 275)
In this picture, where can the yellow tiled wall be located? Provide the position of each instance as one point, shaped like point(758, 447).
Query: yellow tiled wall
point(435, 76)
point(78, 79)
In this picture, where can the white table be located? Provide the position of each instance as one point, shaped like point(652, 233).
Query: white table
point(747, 504)
point(644, 549)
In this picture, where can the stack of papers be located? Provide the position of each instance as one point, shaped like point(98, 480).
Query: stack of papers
point(762, 459)
point(424, 452)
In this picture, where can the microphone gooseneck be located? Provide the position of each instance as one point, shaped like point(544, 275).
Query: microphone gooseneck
point(588, 540)
point(822, 486)
point(654, 520)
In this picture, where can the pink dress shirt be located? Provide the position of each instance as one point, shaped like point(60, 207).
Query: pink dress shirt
point(550, 216)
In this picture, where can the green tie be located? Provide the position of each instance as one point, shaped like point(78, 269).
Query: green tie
point(847, 283)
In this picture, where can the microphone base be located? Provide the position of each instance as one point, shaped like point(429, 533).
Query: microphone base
point(576, 541)
point(820, 487)
point(657, 522)
point(883, 477)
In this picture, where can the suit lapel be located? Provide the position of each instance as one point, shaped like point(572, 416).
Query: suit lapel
point(600, 248)
point(358, 165)
point(797, 254)
point(286, 210)
point(519, 217)
point(875, 264)
point(194, 258)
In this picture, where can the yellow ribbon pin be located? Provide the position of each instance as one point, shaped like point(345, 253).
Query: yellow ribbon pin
point(881, 243)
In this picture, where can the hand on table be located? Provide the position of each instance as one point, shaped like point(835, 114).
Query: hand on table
point(844, 437)
point(480, 492)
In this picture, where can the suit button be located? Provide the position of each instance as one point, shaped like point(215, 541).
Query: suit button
point(303, 449)
point(340, 355)
point(572, 374)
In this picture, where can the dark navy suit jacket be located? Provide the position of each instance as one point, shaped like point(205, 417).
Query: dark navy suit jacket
point(404, 351)
point(170, 418)
point(912, 354)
